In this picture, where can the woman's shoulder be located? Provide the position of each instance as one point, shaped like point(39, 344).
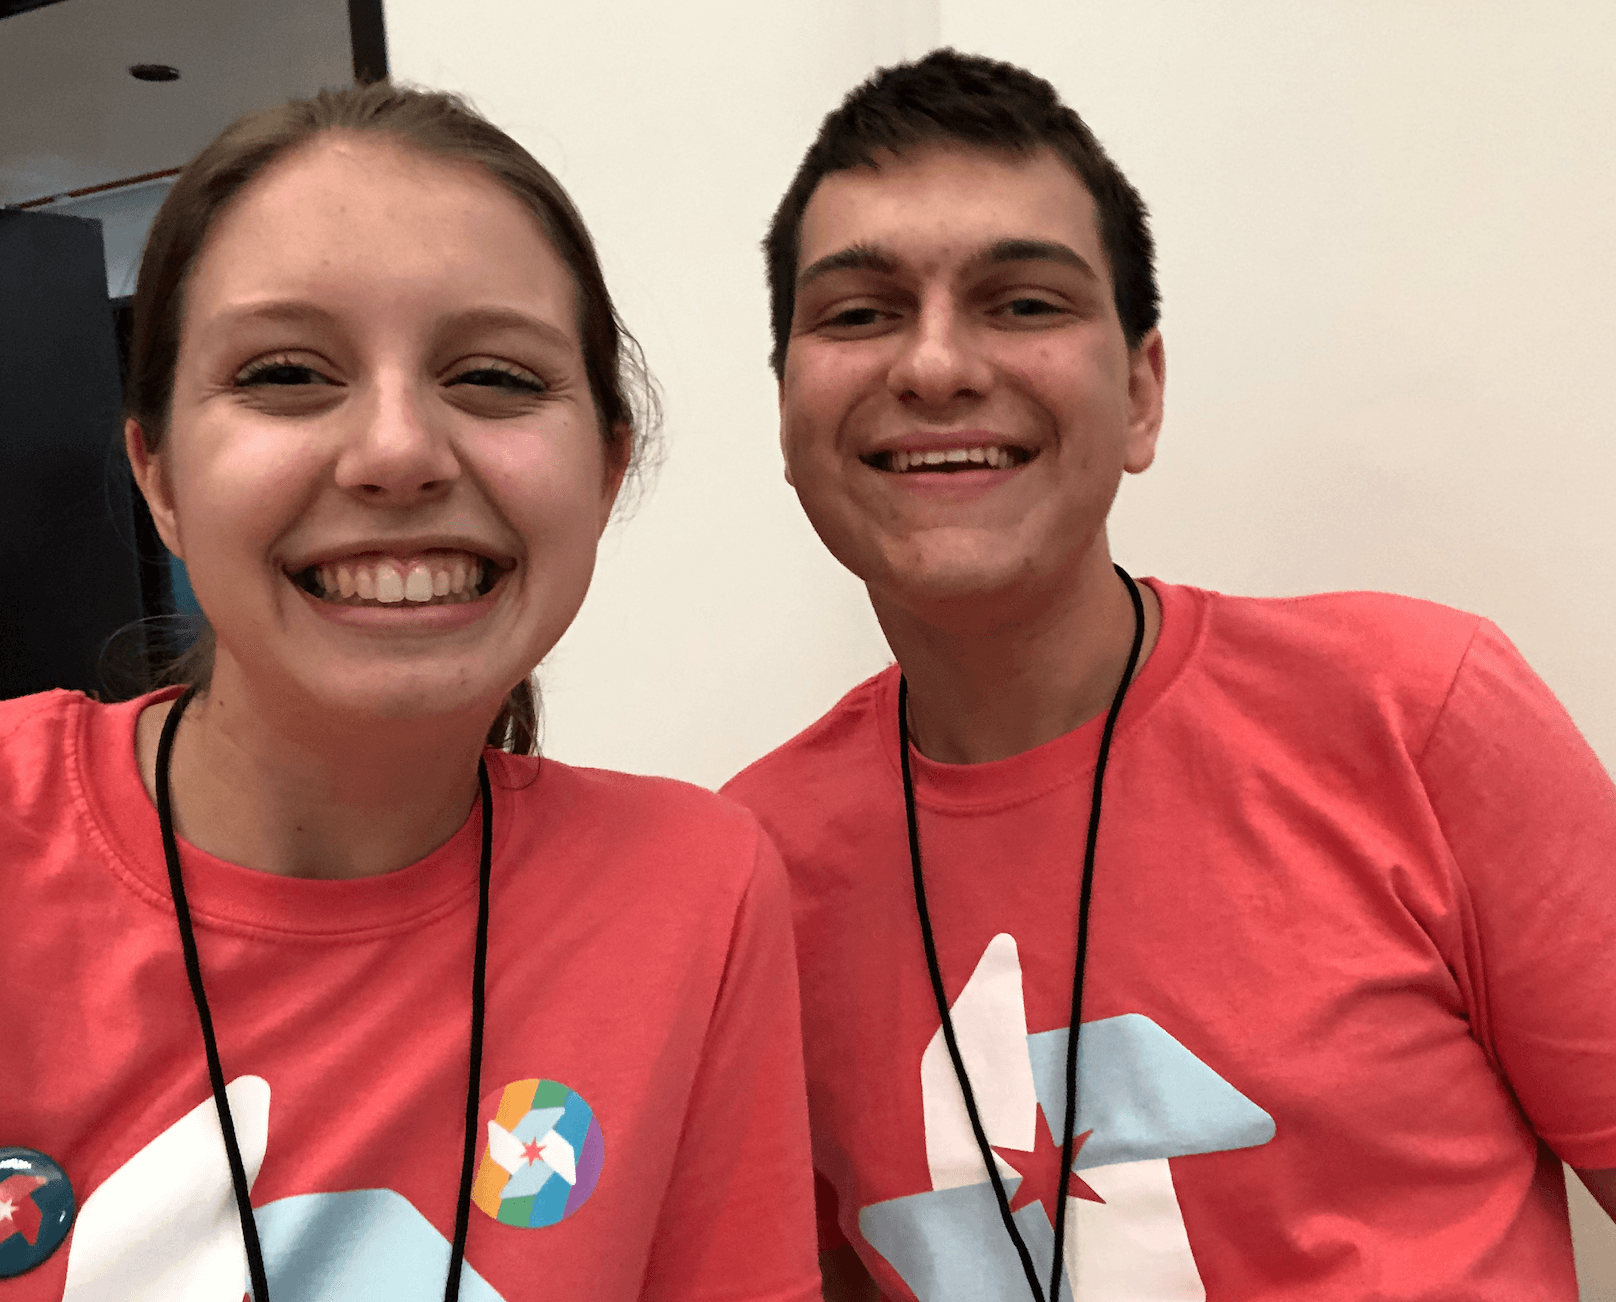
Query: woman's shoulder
point(37, 730)
point(631, 805)
point(659, 843)
point(51, 748)
point(40, 712)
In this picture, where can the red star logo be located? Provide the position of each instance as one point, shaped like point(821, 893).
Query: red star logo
point(532, 1150)
point(18, 1212)
point(1040, 1172)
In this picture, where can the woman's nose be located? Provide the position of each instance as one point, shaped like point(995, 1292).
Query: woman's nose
point(398, 449)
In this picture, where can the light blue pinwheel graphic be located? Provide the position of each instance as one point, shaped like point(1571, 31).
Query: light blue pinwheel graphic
point(531, 1178)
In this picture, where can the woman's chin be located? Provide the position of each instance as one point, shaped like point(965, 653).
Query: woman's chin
point(389, 696)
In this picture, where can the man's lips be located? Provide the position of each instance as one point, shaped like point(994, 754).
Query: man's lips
point(951, 458)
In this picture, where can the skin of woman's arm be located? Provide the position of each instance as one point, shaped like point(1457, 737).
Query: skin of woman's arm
point(844, 1277)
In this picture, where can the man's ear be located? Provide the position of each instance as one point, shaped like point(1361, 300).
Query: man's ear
point(780, 388)
point(153, 484)
point(1147, 382)
point(619, 452)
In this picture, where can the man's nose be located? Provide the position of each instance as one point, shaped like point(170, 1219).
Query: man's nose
point(941, 358)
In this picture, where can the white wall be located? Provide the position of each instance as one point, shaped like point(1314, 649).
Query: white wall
point(717, 625)
point(1389, 290)
point(1390, 298)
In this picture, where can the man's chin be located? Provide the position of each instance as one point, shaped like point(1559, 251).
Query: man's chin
point(958, 598)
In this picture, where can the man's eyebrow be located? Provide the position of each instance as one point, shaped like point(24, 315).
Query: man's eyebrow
point(855, 257)
point(1028, 250)
point(871, 257)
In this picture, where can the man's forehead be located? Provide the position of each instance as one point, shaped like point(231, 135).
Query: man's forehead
point(976, 202)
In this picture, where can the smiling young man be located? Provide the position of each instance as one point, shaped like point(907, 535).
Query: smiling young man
point(1327, 890)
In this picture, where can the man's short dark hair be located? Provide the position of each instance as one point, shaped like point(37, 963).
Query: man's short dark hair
point(949, 98)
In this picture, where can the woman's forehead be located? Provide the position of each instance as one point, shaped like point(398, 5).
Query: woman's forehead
point(364, 222)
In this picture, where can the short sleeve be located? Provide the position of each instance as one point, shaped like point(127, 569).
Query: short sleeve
point(1529, 815)
point(737, 1223)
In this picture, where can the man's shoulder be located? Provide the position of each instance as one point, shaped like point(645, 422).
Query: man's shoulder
point(1347, 637)
point(839, 746)
point(1329, 614)
point(1333, 669)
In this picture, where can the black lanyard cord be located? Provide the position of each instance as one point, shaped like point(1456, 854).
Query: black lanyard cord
point(935, 970)
point(221, 1101)
point(457, 1257)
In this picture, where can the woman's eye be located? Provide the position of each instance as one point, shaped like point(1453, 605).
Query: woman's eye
point(279, 373)
point(497, 377)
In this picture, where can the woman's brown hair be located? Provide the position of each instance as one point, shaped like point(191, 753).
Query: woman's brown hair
point(435, 123)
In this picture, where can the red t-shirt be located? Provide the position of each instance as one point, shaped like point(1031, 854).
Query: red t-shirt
point(1351, 987)
point(644, 1129)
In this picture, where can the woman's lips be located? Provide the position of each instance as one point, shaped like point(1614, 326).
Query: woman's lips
point(436, 578)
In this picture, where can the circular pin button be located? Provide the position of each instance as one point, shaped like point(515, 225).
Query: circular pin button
point(36, 1209)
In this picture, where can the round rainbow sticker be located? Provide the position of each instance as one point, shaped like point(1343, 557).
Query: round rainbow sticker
point(543, 1155)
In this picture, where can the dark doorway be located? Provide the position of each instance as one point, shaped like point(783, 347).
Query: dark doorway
point(66, 521)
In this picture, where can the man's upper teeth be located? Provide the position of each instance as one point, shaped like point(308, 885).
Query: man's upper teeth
point(389, 580)
point(991, 455)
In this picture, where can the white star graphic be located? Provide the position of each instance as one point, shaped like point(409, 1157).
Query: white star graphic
point(6, 1208)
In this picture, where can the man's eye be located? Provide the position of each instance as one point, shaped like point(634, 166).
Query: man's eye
point(279, 373)
point(495, 377)
point(1030, 307)
point(855, 316)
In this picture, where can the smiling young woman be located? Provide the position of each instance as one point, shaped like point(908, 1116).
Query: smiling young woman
point(471, 1023)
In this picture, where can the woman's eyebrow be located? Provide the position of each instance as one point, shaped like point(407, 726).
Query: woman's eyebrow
point(293, 310)
point(508, 318)
point(298, 311)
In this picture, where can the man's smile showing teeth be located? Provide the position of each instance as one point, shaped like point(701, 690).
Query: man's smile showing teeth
point(946, 460)
point(435, 579)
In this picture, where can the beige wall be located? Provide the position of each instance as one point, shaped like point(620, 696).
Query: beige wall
point(1390, 297)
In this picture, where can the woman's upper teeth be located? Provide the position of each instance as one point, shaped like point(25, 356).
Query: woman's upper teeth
point(444, 577)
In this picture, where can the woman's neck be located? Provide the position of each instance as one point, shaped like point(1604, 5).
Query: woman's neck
point(304, 793)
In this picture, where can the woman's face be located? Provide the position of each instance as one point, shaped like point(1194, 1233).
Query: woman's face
point(384, 469)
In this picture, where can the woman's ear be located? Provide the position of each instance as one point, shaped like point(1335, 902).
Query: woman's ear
point(148, 470)
point(618, 454)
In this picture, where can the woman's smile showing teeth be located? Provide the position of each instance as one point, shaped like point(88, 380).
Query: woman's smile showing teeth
point(432, 579)
point(439, 579)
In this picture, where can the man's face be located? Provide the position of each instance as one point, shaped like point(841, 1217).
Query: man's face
point(958, 402)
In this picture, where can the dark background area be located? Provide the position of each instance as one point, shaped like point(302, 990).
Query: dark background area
point(71, 551)
point(95, 601)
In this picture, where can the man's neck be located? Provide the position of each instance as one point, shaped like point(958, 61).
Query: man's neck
point(302, 795)
point(997, 689)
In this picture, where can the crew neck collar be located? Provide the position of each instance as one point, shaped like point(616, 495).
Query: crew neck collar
point(112, 798)
point(1018, 779)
